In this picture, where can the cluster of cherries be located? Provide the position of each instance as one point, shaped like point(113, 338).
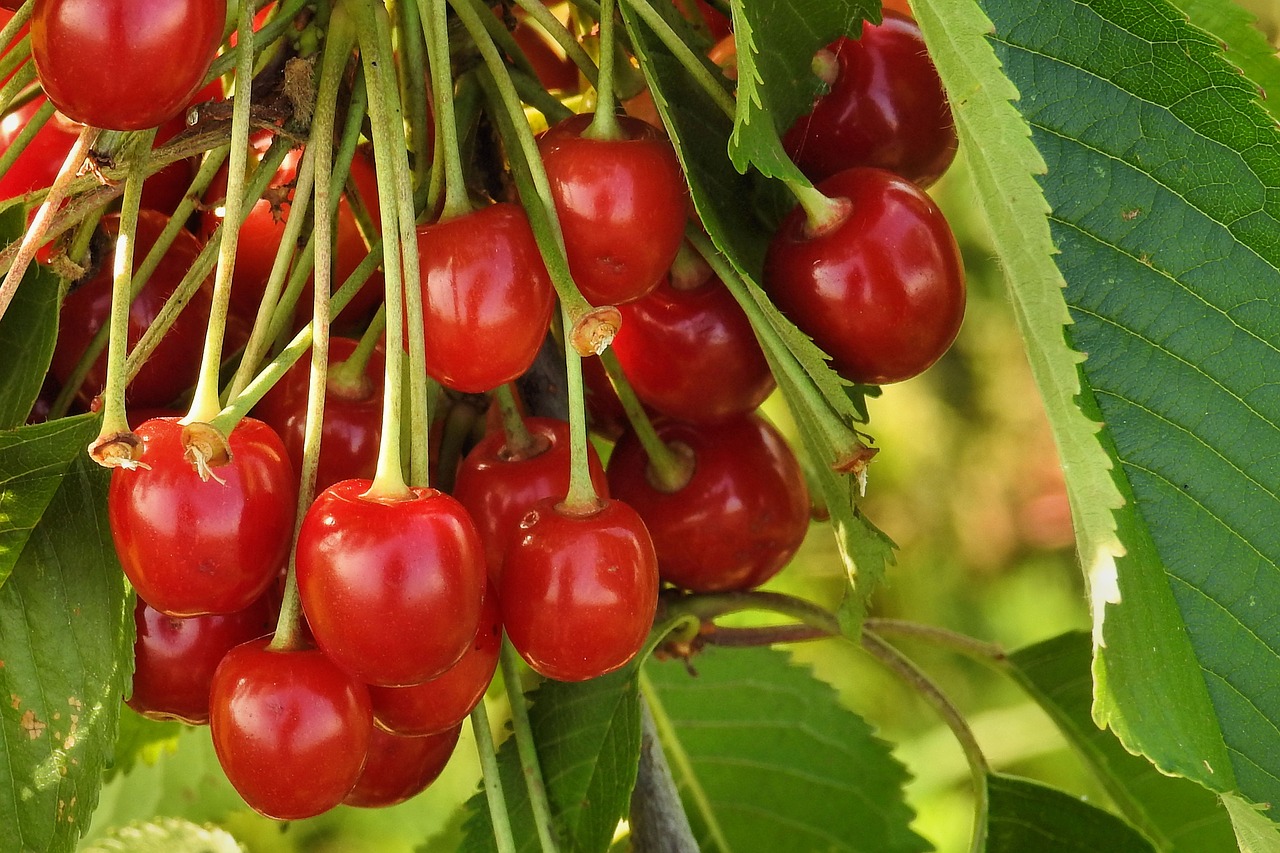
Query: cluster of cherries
point(407, 595)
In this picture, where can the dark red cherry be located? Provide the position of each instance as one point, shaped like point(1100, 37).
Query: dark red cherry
point(622, 205)
point(738, 520)
point(400, 767)
point(691, 353)
point(291, 730)
point(579, 591)
point(498, 488)
point(882, 292)
point(886, 108)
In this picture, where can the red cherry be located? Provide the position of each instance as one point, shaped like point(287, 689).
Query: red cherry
point(443, 702)
point(622, 205)
point(738, 520)
point(263, 229)
point(192, 547)
point(174, 365)
point(498, 489)
point(392, 589)
point(124, 64)
point(579, 592)
point(486, 297)
point(174, 659)
point(352, 426)
point(691, 354)
point(886, 108)
point(554, 69)
point(291, 730)
point(399, 768)
point(882, 292)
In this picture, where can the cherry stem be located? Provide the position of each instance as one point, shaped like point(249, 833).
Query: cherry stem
point(384, 115)
point(590, 329)
point(34, 237)
point(605, 124)
point(527, 749)
point(205, 403)
point(519, 443)
point(349, 378)
point(697, 66)
point(177, 223)
point(19, 89)
point(435, 30)
point(581, 498)
point(401, 179)
point(21, 16)
point(502, 836)
point(414, 94)
point(916, 678)
point(270, 32)
point(670, 469)
point(29, 130)
point(823, 214)
point(114, 419)
point(196, 274)
point(981, 650)
point(538, 11)
point(318, 160)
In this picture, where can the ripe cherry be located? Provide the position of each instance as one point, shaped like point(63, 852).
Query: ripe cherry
point(263, 229)
point(486, 297)
point(882, 292)
point(352, 425)
point(291, 730)
point(443, 702)
point(579, 591)
point(498, 488)
point(173, 366)
point(174, 659)
point(740, 517)
point(622, 205)
point(886, 108)
point(691, 354)
point(124, 64)
point(399, 768)
point(392, 589)
point(190, 546)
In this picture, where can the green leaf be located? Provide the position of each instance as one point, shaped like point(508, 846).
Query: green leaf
point(1162, 177)
point(767, 759)
point(1176, 814)
point(66, 653)
point(1025, 815)
point(588, 738)
point(1255, 833)
point(1246, 47)
point(737, 211)
point(33, 460)
point(776, 41)
point(28, 331)
point(168, 835)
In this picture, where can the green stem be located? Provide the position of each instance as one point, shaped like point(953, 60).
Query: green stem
point(350, 374)
point(388, 480)
point(590, 329)
point(280, 22)
point(697, 66)
point(497, 800)
point(205, 404)
point(199, 271)
point(519, 443)
point(402, 187)
point(981, 650)
point(34, 237)
point(29, 130)
point(605, 123)
point(581, 498)
point(527, 748)
point(414, 88)
point(906, 669)
point(823, 214)
point(114, 446)
point(670, 469)
point(436, 33)
point(19, 89)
